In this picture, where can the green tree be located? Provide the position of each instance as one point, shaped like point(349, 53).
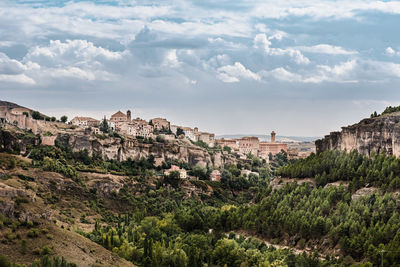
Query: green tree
point(104, 127)
point(179, 132)
point(37, 116)
point(64, 119)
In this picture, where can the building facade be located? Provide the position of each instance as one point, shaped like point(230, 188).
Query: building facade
point(160, 124)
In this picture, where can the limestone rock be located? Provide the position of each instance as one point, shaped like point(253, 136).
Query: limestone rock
point(369, 135)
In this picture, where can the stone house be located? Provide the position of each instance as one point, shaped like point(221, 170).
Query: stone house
point(143, 130)
point(160, 124)
point(174, 128)
point(207, 138)
point(189, 133)
point(232, 143)
point(85, 122)
point(248, 145)
point(121, 120)
point(215, 175)
point(182, 172)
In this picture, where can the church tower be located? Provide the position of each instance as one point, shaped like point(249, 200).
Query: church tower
point(128, 115)
point(272, 137)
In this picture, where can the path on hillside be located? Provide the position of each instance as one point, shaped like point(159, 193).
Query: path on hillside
point(295, 251)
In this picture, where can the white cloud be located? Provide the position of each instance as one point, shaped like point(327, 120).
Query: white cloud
point(72, 72)
point(261, 41)
point(322, 9)
point(390, 51)
point(341, 73)
point(18, 78)
point(282, 74)
point(58, 52)
point(326, 49)
point(233, 73)
point(171, 59)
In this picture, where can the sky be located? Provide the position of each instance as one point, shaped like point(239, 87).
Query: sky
point(300, 68)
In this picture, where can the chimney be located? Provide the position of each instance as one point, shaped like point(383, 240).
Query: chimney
point(272, 137)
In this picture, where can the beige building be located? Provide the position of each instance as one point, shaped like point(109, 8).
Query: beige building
point(272, 147)
point(207, 138)
point(215, 175)
point(140, 129)
point(248, 145)
point(232, 143)
point(182, 172)
point(174, 128)
point(85, 122)
point(160, 124)
point(120, 121)
point(189, 133)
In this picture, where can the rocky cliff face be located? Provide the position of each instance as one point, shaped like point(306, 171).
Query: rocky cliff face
point(118, 148)
point(122, 149)
point(369, 135)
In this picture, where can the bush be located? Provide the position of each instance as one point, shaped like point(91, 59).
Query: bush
point(46, 251)
point(23, 246)
point(32, 233)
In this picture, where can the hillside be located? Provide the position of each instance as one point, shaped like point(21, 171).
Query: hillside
point(9, 104)
point(104, 200)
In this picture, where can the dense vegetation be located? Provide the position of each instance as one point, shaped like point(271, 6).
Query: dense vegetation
point(327, 217)
point(164, 221)
point(378, 170)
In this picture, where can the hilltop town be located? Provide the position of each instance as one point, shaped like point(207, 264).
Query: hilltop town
point(124, 124)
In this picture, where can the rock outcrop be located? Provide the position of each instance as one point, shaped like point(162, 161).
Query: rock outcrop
point(118, 148)
point(369, 135)
point(124, 148)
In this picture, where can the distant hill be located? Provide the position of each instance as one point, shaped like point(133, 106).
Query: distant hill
point(280, 138)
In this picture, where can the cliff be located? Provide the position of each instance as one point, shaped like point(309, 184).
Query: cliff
point(13, 139)
point(123, 148)
point(369, 135)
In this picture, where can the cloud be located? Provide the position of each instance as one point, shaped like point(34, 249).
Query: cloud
point(326, 49)
point(281, 74)
point(12, 71)
point(171, 59)
point(340, 73)
point(18, 78)
point(58, 52)
point(322, 9)
point(233, 73)
point(391, 52)
point(261, 41)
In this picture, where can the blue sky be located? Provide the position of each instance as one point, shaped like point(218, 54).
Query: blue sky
point(302, 67)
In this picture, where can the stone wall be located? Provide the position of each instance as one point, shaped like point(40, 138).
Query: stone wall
point(19, 120)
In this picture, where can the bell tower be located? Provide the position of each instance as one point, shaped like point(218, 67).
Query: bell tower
point(128, 115)
point(273, 137)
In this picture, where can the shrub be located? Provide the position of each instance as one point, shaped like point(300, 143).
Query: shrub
point(23, 246)
point(46, 251)
point(32, 233)
point(20, 200)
